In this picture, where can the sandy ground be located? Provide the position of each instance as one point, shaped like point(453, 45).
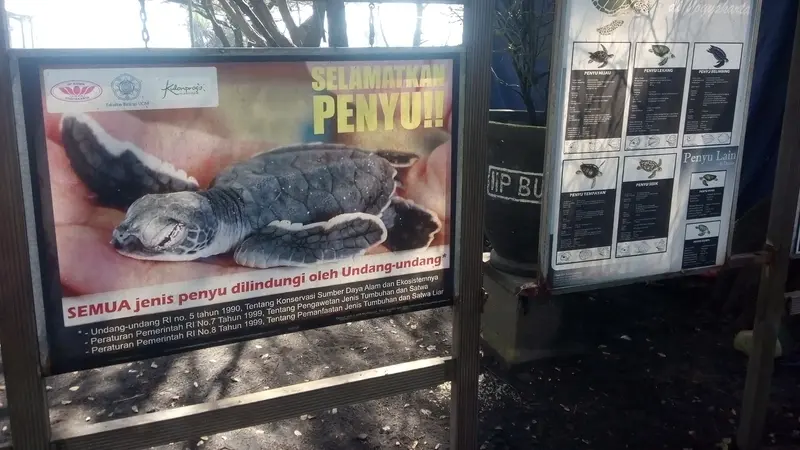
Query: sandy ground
point(661, 375)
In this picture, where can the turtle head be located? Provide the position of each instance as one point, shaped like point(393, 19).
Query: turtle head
point(178, 226)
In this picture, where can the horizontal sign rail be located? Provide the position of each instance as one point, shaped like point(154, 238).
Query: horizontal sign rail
point(244, 411)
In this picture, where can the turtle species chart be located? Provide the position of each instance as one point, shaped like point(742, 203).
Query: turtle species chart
point(587, 209)
point(597, 91)
point(700, 245)
point(291, 221)
point(704, 196)
point(706, 192)
point(713, 89)
point(645, 205)
point(655, 93)
point(656, 100)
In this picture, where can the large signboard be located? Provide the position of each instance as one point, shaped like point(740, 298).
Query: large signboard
point(646, 125)
point(183, 205)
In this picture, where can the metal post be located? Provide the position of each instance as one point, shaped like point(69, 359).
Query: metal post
point(25, 389)
point(770, 306)
point(478, 26)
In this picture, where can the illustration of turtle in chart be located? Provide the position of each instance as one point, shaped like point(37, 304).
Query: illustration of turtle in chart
point(591, 171)
point(618, 9)
point(650, 166)
point(663, 52)
point(719, 55)
point(705, 179)
point(601, 56)
point(297, 205)
point(702, 230)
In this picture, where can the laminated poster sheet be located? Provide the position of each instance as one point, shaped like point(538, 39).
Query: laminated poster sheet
point(198, 204)
point(647, 132)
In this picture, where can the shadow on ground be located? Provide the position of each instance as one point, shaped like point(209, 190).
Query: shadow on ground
point(660, 374)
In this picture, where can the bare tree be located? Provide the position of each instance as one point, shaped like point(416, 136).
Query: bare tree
point(527, 27)
point(253, 23)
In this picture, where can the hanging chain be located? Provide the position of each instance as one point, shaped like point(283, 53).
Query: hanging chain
point(143, 16)
point(371, 24)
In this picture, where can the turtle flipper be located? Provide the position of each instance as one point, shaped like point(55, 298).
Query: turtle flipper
point(118, 173)
point(283, 243)
point(398, 159)
point(409, 225)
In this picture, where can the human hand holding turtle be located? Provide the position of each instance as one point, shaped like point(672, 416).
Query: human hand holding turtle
point(88, 210)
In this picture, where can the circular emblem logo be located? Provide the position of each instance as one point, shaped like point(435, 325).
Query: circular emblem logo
point(126, 87)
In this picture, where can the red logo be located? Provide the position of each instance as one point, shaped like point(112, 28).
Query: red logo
point(76, 91)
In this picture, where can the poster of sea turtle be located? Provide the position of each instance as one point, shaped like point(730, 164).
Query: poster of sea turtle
point(226, 188)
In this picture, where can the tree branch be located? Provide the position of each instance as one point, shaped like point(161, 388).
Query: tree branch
point(312, 29)
point(208, 7)
point(418, 25)
point(269, 23)
point(271, 39)
point(240, 22)
point(288, 20)
point(337, 24)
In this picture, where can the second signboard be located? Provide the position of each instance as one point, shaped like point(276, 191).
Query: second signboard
point(195, 204)
point(647, 126)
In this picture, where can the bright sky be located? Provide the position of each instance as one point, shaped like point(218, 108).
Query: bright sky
point(116, 24)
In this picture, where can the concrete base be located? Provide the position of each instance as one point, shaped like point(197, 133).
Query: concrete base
point(517, 329)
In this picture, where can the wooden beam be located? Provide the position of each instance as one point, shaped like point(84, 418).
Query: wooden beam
point(771, 303)
point(474, 123)
point(179, 424)
point(25, 389)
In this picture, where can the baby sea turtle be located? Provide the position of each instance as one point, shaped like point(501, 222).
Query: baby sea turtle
point(663, 52)
point(590, 171)
point(293, 206)
point(702, 230)
point(600, 56)
point(619, 8)
point(648, 165)
point(718, 54)
point(707, 177)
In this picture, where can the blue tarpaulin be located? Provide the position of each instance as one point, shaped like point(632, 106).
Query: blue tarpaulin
point(767, 98)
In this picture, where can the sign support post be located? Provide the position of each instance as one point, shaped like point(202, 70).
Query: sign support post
point(27, 398)
point(771, 303)
point(479, 20)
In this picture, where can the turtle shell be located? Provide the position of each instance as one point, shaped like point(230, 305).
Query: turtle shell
point(612, 6)
point(309, 183)
point(709, 177)
point(660, 50)
point(647, 164)
point(717, 52)
point(590, 170)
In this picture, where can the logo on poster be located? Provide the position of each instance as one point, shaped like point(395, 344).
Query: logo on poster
point(126, 87)
point(76, 91)
point(172, 88)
